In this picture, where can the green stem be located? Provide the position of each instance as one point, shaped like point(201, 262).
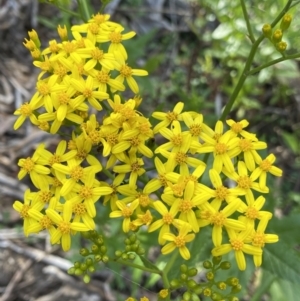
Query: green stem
point(108, 173)
point(247, 67)
point(137, 266)
point(65, 10)
point(251, 36)
point(281, 59)
point(84, 10)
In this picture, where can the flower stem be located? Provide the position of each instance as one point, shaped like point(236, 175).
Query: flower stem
point(251, 36)
point(249, 61)
point(84, 9)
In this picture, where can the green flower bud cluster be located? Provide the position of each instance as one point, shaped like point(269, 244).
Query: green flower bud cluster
point(219, 290)
point(83, 268)
point(276, 36)
point(132, 247)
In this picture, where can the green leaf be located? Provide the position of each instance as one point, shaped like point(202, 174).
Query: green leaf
point(283, 261)
point(291, 141)
point(222, 31)
point(148, 264)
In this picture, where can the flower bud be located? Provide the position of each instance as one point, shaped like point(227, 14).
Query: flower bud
point(191, 283)
point(141, 251)
point(207, 292)
point(175, 283)
point(118, 253)
point(186, 296)
point(95, 249)
point(281, 46)
point(277, 36)
point(232, 281)
point(84, 252)
point(71, 271)
point(215, 296)
point(89, 262)
point(207, 264)
point(236, 288)
point(198, 289)
point(131, 256)
point(286, 22)
point(267, 30)
point(195, 297)
point(132, 238)
point(83, 267)
point(192, 272)
point(221, 285)
point(78, 272)
point(210, 276)
point(86, 278)
point(225, 265)
point(183, 268)
point(98, 258)
point(105, 259)
point(216, 260)
point(103, 249)
point(35, 38)
point(62, 32)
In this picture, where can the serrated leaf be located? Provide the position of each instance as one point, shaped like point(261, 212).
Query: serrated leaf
point(283, 261)
point(148, 264)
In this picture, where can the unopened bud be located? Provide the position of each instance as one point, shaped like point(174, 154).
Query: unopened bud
point(277, 36)
point(267, 30)
point(286, 22)
point(281, 46)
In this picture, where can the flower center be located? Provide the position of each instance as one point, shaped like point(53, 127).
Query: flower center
point(251, 213)
point(218, 219)
point(244, 182)
point(79, 209)
point(236, 244)
point(53, 47)
point(102, 77)
point(135, 141)
point(45, 196)
point(127, 212)
point(43, 88)
point(265, 165)
point(245, 145)
point(171, 116)
point(220, 148)
point(178, 189)
point(46, 222)
point(28, 165)
point(146, 218)
point(237, 127)
point(177, 140)
point(69, 47)
point(163, 180)
point(168, 218)
point(24, 211)
point(144, 200)
point(258, 240)
point(76, 173)
point(94, 136)
point(115, 37)
point(64, 227)
point(87, 93)
point(222, 193)
point(94, 28)
point(97, 54)
point(180, 158)
point(26, 109)
point(55, 159)
point(99, 18)
point(63, 98)
point(179, 241)
point(86, 192)
point(126, 71)
point(186, 206)
point(195, 129)
point(135, 167)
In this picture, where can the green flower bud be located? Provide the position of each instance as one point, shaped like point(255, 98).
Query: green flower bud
point(132, 238)
point(236, 288)
point(210, 276)
point(195, 297)
point(192, 272)
point(91, 269)
point(131, 256)
point(225, 265)
point(94, 234)
point(95, 249)
point(86, 234)
point(267, 30)
point(207, 292)
point(183, 268)
point(216, 260)
point(184, 277)
point(128, 248)
point(98, 258)
point(286, 22)
point(99, 241)
point(118, 253)
point(232, 281)
point(198, 289)
point(207, 264)
point(221, 285)
point(134, 247)
point(89, 261)
point(105, 259)
point(191, 283)
point(127, 241)
point(103, 249)
point(83, 267)
point(77, 264)
point(186, 296)
point(86, 278)
point(233, 298)
point(124, 256)
point(71, 271)
point(84, 252)
point(175, 283)
point(277, 36)
point(141, 251)
point(216, 296)
point(281, 46)
point(78, 272)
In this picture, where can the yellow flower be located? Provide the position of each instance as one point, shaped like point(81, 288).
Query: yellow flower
point(237, 128)
point(26, 111)
point(167, 219)
point(86, 89)
point(58, 156)
point(143, 219)
point(223, 146)
point(258, 239)
point(126, 211)
point(34, 167)
point(264, 167)
point(71, 174)
point(168, 118)
point(23, 209)
point(127, 73)
point(64, 226)
point(219, 219)
point(239, 246)
point(220, 193)
point(252, 212)
point(179, 242)
point(245, 182)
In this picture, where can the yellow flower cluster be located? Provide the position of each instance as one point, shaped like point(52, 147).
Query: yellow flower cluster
point(75, 78)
